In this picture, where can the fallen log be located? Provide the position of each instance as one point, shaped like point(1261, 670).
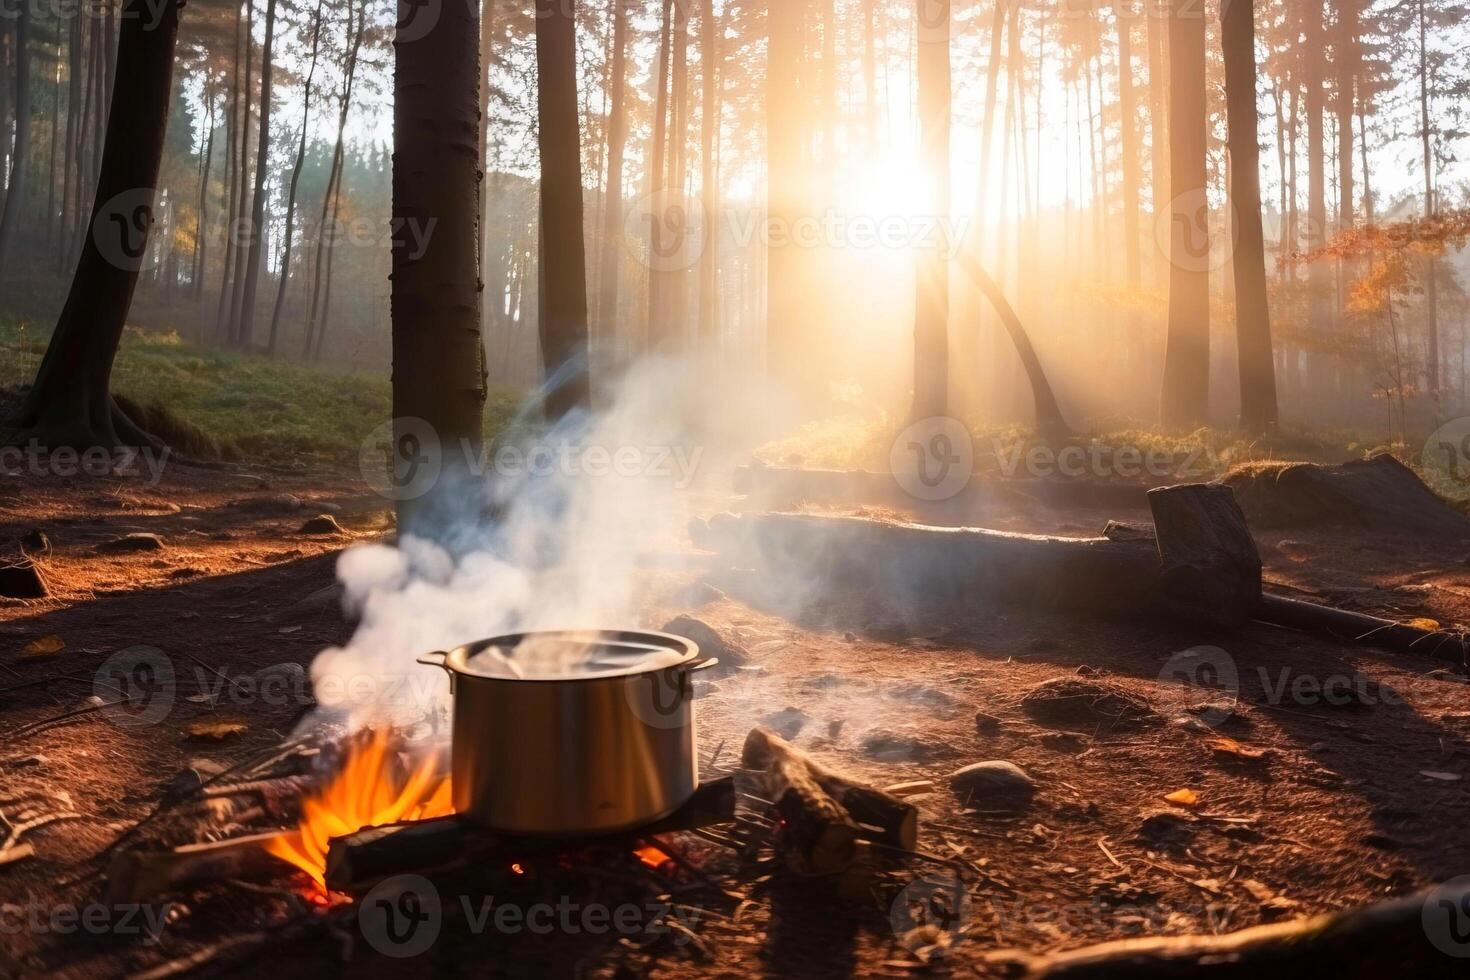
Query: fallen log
point(783, 487)
point(1204, 566)
point(1410, 937)
point(1360, 628)
point(880, 816)
point(138, 875)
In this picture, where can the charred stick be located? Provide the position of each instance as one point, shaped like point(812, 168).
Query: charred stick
point(136, 876)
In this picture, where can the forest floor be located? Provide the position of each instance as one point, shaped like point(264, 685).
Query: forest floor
point(1329, 806)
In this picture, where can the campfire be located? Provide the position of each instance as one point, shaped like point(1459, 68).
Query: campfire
point(373, 788)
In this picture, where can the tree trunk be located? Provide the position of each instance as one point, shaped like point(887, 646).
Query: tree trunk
point(658, 191)
point(676, 290)
point(71, 203)
point(1431, 277)
point(321, 290)
point(711, 62)
point(256, 258)
point(1132, 256)
point(234, 155)
point(617, 139)
point(931, 314)
point(201, 212)
point(15, 196)
point(1316, 97)
point(785, 329)
point(1258, 412)
point(438, 357)
point(1158, 120)
point(564, 264)
point(316, 29)
point(1187, 358)
point(243, 199)
point(70, 403)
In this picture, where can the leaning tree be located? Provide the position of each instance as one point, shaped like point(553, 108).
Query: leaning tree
point(70, 404)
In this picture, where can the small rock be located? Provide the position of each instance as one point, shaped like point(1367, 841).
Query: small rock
point(136, 542)
point(1166, 827)
point(711, 644)
point(322, 524)
point(22, 580)
point(993, 786)
point(27, 762)
point(986, 724)
point(1087, 705)
point(787, 722)
point(887, 746)
point(35, 542)
point(1068, 742)
point(275, 503)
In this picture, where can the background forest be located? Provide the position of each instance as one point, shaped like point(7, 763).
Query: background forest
point(1059, 152)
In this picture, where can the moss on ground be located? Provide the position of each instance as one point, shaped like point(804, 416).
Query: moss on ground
point(241, 404)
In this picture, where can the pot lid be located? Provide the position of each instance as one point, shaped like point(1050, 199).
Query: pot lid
point(572, 655)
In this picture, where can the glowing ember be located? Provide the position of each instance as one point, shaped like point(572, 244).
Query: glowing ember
point(652, 857)
point(371, 790)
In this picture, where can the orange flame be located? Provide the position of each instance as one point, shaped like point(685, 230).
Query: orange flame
point(370, 790)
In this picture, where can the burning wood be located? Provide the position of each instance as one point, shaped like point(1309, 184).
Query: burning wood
point(136, 876)
point(825, 814)
point(371, 789)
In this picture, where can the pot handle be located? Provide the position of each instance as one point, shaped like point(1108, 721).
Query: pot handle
point(703, 664)
point(439, 659)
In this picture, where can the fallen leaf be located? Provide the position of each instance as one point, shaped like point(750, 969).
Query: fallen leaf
point(1229, 746)
point(44, 646)
point(1183, 797)
point(215, 729)
point(1427, 625)
point(1444, 777)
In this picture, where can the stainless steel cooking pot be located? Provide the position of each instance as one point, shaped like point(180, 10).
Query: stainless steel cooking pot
point(573, 732)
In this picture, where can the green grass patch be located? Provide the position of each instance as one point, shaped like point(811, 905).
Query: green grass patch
point(247, 404)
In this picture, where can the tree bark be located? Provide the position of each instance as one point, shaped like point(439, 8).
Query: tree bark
point(711, 63)
point(1187, 358)
point(201, 223)
point(617, 139)
point(256, 255)
point(316, 323)
point(316, 29)
point(438, 357)
point(70, 403)
point(1132, 256)
point(234, 157)
point(563, 313)
point(1258, 410)
point(15, 196)
point(931, 314)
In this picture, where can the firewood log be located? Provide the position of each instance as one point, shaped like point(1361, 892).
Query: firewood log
point(1409, 937)
point(878, 816)
point(138, 875)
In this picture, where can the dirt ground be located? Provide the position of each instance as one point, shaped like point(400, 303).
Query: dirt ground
point(1328, 805)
